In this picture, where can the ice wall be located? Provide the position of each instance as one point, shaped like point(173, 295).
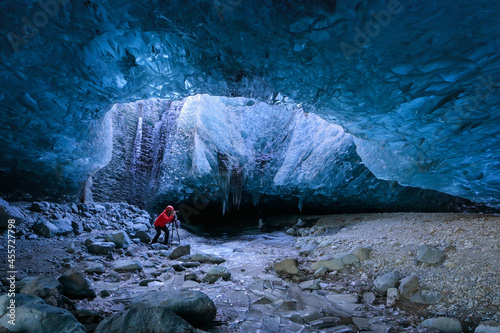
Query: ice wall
point(415, 81)
point(235, 151)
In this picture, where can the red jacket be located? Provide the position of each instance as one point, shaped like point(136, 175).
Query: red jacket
point(163, 219)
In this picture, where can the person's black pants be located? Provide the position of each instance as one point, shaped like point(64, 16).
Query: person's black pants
point(158, 233)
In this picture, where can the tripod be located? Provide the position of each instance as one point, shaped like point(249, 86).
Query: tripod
point(174, 229)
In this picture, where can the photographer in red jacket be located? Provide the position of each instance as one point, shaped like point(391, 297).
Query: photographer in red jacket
point(161, 222)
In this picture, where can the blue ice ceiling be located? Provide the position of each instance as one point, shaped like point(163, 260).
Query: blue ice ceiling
point(415, 82)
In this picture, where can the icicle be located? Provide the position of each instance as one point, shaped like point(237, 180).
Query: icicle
point(224, 180)
point(237, 185)
point(255, 199)
point(137, 145)
point(301, 203)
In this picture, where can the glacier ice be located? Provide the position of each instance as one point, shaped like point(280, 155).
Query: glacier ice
point(236, 151)
point(418, 88)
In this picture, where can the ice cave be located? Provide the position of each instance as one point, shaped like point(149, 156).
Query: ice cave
point(332, 166)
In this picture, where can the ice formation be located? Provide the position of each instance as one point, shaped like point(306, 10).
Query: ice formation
point(415, 82)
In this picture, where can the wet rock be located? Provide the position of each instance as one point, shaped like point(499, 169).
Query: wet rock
point(430, 255)
point(193, 306)
point(43, 286)
point(203, 258)
point(145, 320)
point(45, 228)
point(443, 324)
point(217, 272)
point(119, 238)
point(180, 251)
point(91, 267)
point(408, 286)
point(363, 253)
point(178, 267)
point(287, 266)
point(386, 281)
point(392, 297)
point(75, 286)
point(44, 318)
point(426, 297)
point(63, 226)
point(40, 207)
point(19, 300)
point(336, 263)
point(489, 326)
point(101, 247)
point(126, 265)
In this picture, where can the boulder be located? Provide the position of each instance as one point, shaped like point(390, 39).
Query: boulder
point(148, 319)
point(287, 266)
point(75, 286)
point(179, 252)
point(336, 263)
point(91, 267)
point(45, 228)
point(64, 226)
point(101, 247)
point(203, 258)
point(43, 286)
point(426, 297)
point(19, 299)
point(363, 253)
point(489, 326)
point(77, 227)
point(429, 254)
point(408, 286)
point(216, 273)
point(193, 306)
point(40, 206)
point(443, 324)
point(41, 318)
point(120, 238)
point(8, 212)
point(386, 281)
point(126, 265)
point(143, 236)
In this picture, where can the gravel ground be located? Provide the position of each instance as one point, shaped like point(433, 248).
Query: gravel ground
point(469, 278)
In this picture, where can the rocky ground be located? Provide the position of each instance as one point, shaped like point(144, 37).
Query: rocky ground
point(335, 273)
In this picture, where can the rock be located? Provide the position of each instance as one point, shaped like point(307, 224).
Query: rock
point(44, 318)
point(489, 326)
point(19, 299)
point(179, 252)
point(426, 297)
point(216, 273)
point(408, 286)
point(127, 265)
point(287, 266)
point(369, 297)
point(449, 264)
point(74, 208)
point(91, 267)
point(149, 319)
point(75, 286)
point(320, 272)
point(8, 212)
point(336, 263)
point(64, 226)
point(203, 258)
point(145, 282)
point(77, 227)
point(430, 254)
point(386, 281)
point(363, 253)
point(291, 231)
point(101, 247)
point(143, 236)
point(40, 207)
point(120, 238)
point(392, 297)
point(193, 306)
point(43, 286)
point(45, 228)
point(310, 285)
point(307, 250)
point(443, 324)
point(191, 276)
